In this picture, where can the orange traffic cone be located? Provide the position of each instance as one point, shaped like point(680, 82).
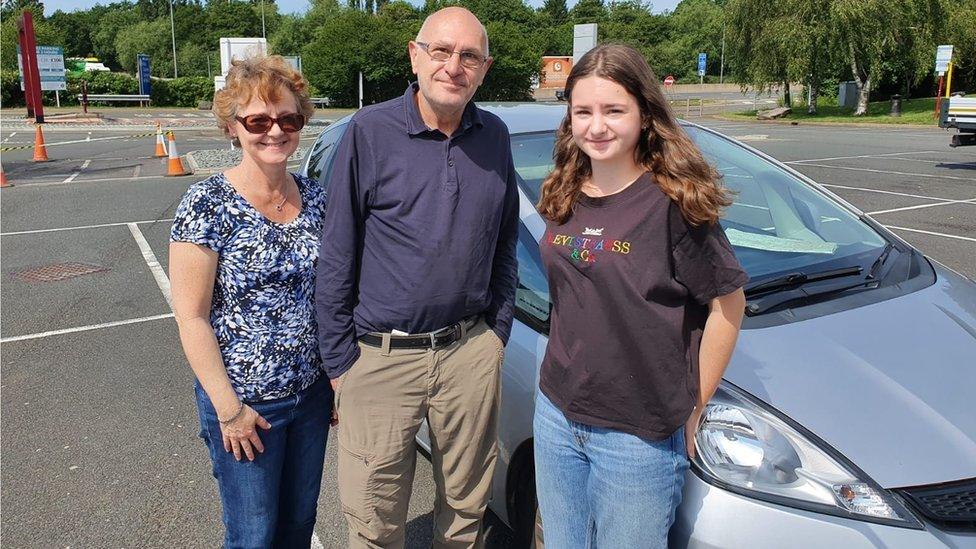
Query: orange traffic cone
point(175, 163)
point(160, 147)
point(40, 151)
point(3, 178)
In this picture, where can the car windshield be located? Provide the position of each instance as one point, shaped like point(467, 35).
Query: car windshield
point(776, 224)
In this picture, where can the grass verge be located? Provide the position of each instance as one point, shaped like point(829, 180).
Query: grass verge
point(913, 111)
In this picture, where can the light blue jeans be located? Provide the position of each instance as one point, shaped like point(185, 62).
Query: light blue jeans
point(602, 488)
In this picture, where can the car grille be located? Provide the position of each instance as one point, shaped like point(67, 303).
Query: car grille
point(952, 505)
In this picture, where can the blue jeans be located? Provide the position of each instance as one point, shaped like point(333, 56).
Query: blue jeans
point(271, 501)
point(603, 488)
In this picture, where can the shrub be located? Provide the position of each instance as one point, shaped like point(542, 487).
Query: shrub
point(10, 94)
point(185, 91)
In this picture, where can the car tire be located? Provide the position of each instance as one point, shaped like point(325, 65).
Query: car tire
point(525, 522)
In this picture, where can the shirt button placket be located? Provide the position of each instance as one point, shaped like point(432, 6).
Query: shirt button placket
point(451, 182)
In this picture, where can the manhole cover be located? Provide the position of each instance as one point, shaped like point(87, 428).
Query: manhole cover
point(58, 271)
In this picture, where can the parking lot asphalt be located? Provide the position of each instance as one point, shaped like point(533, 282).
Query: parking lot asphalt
point(99, 427)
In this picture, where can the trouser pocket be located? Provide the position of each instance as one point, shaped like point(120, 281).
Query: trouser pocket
point(356, 488)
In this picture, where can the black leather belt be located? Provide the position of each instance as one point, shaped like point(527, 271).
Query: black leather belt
point(431, 340)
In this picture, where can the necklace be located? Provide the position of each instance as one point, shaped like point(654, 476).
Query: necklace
point(281, 204)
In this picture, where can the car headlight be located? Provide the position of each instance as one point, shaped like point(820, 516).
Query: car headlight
point(746, 448)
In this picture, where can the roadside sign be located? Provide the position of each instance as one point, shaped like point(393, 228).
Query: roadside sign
point(145, 84)
point(701, 63)
point(943, 54)
point(669, 80)
point(50, 68)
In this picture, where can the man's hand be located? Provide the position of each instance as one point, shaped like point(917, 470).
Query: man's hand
point(336, 383)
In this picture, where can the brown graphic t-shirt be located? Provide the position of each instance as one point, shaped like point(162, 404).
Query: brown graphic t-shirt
point(630, 282)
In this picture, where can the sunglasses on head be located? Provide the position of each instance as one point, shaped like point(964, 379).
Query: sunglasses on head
point(261, 123)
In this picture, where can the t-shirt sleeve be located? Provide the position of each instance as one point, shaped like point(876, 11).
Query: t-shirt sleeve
point(198, 220)
point(704, 261)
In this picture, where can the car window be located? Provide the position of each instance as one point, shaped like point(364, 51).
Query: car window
point(532, 295)
point(777, 222)
point(532, 153)
point(323, 153)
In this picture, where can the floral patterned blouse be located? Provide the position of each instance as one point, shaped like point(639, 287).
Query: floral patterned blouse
point(262, 310)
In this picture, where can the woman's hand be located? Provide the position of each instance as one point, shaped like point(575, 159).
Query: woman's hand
point(691, 429)
point(241, 435)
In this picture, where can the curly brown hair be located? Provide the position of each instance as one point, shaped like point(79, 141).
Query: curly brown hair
point(268, 77)
point(663, 148)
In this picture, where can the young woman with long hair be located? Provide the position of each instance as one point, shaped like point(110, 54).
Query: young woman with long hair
point(647, 302)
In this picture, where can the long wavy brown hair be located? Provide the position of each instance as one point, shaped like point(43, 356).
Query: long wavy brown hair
point(663, 148)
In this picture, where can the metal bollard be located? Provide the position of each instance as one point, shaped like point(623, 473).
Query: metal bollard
point(84, 96)
point(896, 105)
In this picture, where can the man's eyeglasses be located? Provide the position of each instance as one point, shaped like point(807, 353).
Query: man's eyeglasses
point(469, 59)
point(261, 123)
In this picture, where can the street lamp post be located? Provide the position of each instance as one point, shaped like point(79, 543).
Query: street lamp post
point(262, 20)
point(172, 30)
point(721, 70)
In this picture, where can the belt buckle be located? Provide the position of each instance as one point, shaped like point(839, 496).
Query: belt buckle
point(433, 336)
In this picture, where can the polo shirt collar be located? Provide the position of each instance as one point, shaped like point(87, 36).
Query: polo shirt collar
point(415, 123)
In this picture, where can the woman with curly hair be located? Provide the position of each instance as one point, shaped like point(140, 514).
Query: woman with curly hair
point(244, 244)
point(647, 302)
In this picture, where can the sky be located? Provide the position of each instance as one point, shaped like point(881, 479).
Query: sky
point(300, 6)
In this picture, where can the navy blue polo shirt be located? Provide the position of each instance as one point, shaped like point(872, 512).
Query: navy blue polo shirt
point(419, 230)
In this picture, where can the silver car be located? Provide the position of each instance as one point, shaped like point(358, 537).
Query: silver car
point(846, 416)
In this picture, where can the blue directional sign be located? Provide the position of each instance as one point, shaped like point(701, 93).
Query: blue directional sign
point(701, 64)
point(144, 82)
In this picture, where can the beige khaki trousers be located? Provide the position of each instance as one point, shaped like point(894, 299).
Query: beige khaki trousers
point(382, 401)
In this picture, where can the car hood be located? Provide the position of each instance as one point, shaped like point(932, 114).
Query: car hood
point(891, 385)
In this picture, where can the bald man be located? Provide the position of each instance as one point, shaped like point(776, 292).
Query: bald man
point(415, 290)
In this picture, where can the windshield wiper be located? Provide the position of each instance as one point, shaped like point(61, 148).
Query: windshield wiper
point(765, 303)
point(873, 271)
point(797, 279)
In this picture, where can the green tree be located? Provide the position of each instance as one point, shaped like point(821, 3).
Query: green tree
point(334, 56)
point(151, 38)
point(631, 22)
point(553, 12)
point(231, 18)
point(77, 27)
point(588, 11)
point(45, 33)
point(871, 34)
point(695, 26)
point(960, 31)
point(493, 11)
point(517, 60)
point(107, 29)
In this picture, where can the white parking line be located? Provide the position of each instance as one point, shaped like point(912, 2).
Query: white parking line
point(949, 162)
point(921, 206)
point(886, 192)
point(157, 270)
point(79, 227)
point(9, 136)
point(77, 172)
point(859, 156)
point(102, 180)
point(931, 176)
point(136, 171)
point(75, 141)
point(931, 233)
point(84, 328)
point(316, 542)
